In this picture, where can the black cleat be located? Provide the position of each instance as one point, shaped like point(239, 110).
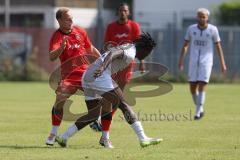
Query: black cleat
point(200, 117)
point(96, 126)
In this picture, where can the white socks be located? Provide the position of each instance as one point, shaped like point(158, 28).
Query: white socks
point(105, 134)
point(70, 132)
point(200, 101)
point(54, 130)
point(138, 129)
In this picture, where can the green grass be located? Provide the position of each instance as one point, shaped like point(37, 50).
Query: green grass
point(25, 123)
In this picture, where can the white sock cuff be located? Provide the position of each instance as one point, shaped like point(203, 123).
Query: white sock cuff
point(70, 131)
point(137, 125)
point(54, 130)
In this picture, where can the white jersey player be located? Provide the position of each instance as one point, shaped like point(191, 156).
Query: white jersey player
point(94, 87)
point(102, 95)
point(201, 38)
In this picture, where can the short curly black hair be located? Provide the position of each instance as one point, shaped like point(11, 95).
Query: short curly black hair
point(144, 45)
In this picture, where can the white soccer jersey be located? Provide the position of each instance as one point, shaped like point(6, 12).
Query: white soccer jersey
point(201, 42)
point(94, 87)
point(201, 51)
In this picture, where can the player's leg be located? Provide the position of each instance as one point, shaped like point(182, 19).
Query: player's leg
point(194, 91)
point(201, 99)
point(96, 107)
point(107, 119)
point(106, 122)
point(63, 92)
point(131, 118)
point(121, 78)
point(94, 111)
point(203, 79)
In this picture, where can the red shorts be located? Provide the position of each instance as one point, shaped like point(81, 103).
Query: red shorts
point(124, 76)
point(71, 83)
point(68, 87)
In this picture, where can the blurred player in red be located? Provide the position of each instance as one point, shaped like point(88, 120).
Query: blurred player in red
point(69, 43)
point(119, 32)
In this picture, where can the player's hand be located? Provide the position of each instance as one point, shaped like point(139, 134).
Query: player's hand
point(180, 66)
point(98, 72)
point(64, 43)
point(224, 69)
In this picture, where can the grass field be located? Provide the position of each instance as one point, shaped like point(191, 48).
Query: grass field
point(25, 123)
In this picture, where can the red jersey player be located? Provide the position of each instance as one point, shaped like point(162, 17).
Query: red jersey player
point(121, 31)
point(69, 43)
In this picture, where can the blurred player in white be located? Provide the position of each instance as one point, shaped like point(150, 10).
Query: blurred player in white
point(201, 38)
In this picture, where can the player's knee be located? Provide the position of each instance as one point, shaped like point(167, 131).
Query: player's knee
point(107, 116)
point(62, 96)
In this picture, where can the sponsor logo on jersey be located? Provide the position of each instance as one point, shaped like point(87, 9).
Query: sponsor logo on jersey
point(123, 35)
point(200, 43)
point(77, 36)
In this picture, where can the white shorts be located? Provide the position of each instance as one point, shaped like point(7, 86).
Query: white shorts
point(94, 88)
point(199, 72)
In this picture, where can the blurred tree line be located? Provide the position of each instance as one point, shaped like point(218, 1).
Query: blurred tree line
point(229, 14)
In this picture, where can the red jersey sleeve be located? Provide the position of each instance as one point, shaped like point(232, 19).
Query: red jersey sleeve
point(107, 36)
point(136, 30)
point(55, 41)
point(87, 41)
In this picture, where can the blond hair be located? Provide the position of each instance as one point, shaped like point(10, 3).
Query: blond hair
point(61, 11)
point(204, 11)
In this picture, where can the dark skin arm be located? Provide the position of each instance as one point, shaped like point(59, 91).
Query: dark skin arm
point(111, 56)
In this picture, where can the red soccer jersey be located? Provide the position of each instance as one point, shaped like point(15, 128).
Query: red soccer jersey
point(122, 33)
point(72, 60)
point(117, 34)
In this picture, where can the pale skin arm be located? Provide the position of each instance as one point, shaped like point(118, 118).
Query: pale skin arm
point(53, 55)
point(182, 55)
point(221, 57)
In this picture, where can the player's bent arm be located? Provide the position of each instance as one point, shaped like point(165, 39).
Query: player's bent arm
point(111, 56)
point(221, 56)
point(183, 54)
point(53, 55)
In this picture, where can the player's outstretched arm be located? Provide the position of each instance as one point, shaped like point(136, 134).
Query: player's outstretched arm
point(111, 56)
point(221, 56)
point(183, 54)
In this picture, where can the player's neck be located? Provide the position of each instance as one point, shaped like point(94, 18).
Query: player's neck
point(122, 21)
point(65, 31)
point(202, 27)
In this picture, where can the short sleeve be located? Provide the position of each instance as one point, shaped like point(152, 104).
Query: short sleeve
point(87, 41)
point(137, 30)
point(107, 34)
point(216, 37)
point(188, 35)
point(55, 42)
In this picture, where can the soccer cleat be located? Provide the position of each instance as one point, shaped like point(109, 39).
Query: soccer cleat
point(62, 142)
point(106, 143)
point(199, 117)
point(96, 126)
point(150, 141)
point(51, 139)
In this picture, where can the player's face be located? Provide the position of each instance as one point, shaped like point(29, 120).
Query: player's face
point(66, 21)
point(202, 19)
point(123, 12)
